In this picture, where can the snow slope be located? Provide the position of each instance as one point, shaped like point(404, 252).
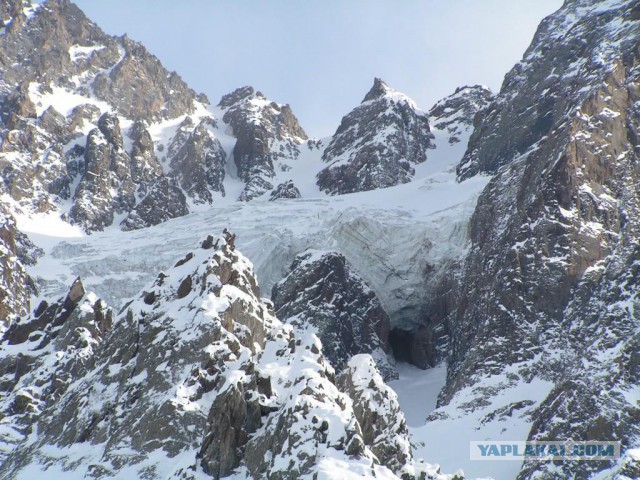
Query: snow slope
point(389, 235)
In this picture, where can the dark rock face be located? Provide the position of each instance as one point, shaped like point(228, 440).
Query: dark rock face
point(52, 348)
point(106, 187)
point(456, 113)
point(198, 378)
point(54, 123)
point(417, 347)
point(376, 144)
point(234, 418)
point(285, 190)
point(14, 281)
point(323, 291)
point(198, 161)
point(163, 201)
point(266, 132)
point(549, 282)
point(512, 125)
point(376, 407)
point(140, 87)
point(145, 167)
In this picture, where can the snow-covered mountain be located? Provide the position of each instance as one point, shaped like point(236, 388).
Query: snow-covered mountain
point(376, 144)
point(480, 256)
point(543, 313)
point(457, 113)
point(195, 378)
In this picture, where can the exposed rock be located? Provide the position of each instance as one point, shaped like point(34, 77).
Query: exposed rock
point(54, 122)
point(256, 186)
point(45, 41)
point(377, 409)
point(18, 106)
point(456, 113)
point(52, 49)
point(42, 355)
point(140, 87)
point(205, 381)
point(46, 317)
point(285, 190)
point(547, 288)
point(266, 132)
point(15, 284)
point(417, 347)
point(233, 416)
point(376, 144)
point(82, 114)
point(198, 162)
point(30, 182)
point(106, 187)
point(163, 201)
point(9, 10)
point(323, 291)
point(145, 167)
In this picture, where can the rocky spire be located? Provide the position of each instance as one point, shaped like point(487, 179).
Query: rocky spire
point(376, 144)
point(350, 320)
point(378, 90)
point(456, 113)
point(15, 284)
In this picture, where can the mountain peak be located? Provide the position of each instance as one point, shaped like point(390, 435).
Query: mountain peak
point(379, 89)
point(239, 94)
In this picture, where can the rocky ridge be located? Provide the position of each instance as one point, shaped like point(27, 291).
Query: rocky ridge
point(15, 284)
point(268, 137)
point(194, 377)
point(42, 355)
point(376, 144)
point(95, 129)
point(456, 114)
point(548, 289)
point(323, 291)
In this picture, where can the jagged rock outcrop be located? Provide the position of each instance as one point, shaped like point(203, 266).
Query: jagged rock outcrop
point(323, 291)
point(145, 167)
point(140, 87)
point(163, 201)
point(195, 378)
point(42, 355)
point(51, 50)
point(548, 290)
point(15, 284)
point(198, 160)
point(285, 190)
point(267, 134)
point(455, 114)
point(106, 188)
point(61, 43)
point(378, 412)
point(10, 10)
point(376, 144)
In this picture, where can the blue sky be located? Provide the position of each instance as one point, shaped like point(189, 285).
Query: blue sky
point(321, 56)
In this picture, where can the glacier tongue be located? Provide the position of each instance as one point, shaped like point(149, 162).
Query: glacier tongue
point(391, 237)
